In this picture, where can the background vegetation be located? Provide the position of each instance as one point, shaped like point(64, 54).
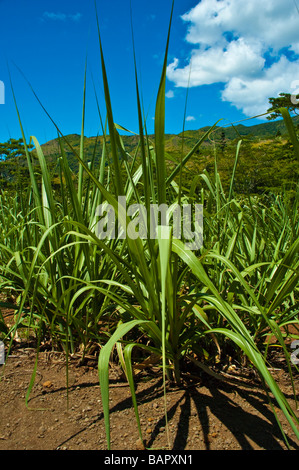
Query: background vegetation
point(267, 161)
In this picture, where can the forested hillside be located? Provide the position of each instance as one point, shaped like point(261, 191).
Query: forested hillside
point(265, 158)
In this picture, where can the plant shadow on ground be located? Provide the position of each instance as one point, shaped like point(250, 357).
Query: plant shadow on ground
point(206, 415)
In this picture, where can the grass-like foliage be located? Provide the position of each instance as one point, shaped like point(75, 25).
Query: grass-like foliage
point(150, 294)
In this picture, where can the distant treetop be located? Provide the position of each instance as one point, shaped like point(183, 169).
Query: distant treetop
point(13, 148)
point(284, 100)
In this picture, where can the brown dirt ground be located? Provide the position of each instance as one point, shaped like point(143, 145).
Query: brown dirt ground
point(204, 414)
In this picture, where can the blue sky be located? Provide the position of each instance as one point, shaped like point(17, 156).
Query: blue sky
point(240, 54)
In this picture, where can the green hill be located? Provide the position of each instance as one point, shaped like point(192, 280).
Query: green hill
point(266, 159)
point(173, 143)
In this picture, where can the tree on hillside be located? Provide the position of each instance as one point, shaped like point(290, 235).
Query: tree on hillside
point(284, 100)
point(222, 142)
point(13, 164)
point(13, 148)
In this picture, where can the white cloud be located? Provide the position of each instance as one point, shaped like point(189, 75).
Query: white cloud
point(76, 17)
point(246, 46)
point(217, 65)
point(61, 16)
point(169, 94)
point(251, 96)
point(190, 118)
point(54, 16)
point(272, 21)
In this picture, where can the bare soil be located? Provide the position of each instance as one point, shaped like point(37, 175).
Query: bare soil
point(203, 414)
